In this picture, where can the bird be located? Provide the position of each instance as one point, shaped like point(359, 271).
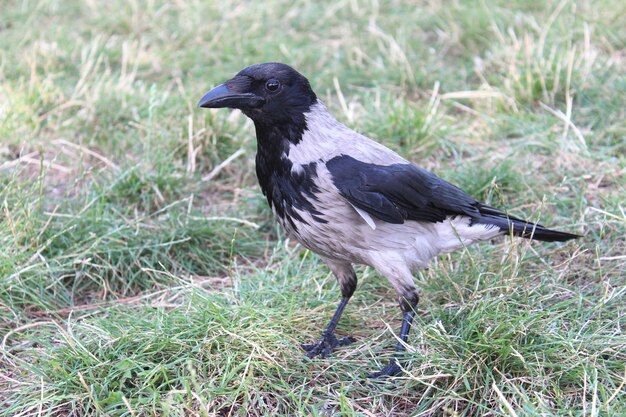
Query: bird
point(352, 200)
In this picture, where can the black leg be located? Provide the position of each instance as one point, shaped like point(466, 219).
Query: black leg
point(347, 279)
point(329, 341)
point(408, 305)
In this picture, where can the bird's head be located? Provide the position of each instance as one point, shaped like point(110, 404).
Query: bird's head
point(269, 94)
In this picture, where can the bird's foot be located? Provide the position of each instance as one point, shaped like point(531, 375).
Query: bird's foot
point(325, 346)
point(392, 369)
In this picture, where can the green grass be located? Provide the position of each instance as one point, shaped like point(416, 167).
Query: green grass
point(142, 276)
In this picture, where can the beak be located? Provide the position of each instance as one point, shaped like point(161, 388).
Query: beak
point(222, 96)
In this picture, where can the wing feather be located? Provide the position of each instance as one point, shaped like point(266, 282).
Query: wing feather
point(398, 192)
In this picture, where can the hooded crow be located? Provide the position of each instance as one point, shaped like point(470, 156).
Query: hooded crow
point(352, 200)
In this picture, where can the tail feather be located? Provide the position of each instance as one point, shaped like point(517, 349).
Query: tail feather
point(522, 228)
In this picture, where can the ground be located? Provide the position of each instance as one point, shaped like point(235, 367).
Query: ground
point(142, 274)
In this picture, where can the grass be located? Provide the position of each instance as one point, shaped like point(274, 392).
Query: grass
point(141, 272)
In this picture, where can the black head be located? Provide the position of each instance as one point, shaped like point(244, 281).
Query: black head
point(267, 93)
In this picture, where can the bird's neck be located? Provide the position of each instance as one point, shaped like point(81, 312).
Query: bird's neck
point(273, 142)
point(301, 139)
point(287, 184)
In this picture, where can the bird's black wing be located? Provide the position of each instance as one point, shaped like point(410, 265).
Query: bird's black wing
point(399, 192)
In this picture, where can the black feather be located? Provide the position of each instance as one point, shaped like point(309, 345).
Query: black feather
point(285, 189)
point(399, 192)
point(522, 228)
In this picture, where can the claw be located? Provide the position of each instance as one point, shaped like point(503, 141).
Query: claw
point(392, 369)
point(346, 340)
point(325, 346)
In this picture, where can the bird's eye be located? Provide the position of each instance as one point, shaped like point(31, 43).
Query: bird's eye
point(272, 85)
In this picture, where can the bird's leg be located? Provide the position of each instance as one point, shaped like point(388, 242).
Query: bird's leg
point(394, 367)
point(328, 342)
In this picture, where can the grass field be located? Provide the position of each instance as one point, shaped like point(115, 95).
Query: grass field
point(142, 274)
